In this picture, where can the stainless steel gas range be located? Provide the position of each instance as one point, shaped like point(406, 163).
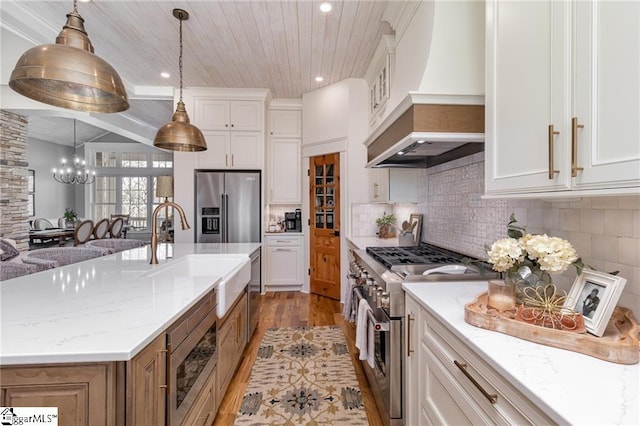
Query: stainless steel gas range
point(379, 273)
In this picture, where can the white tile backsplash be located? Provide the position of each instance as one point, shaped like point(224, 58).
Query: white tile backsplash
point(604, 230)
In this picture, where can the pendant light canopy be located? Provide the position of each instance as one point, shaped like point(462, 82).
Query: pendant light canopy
point(68, 74)
point(179, 134)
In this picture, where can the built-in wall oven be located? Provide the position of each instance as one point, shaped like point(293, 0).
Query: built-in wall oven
point(192, 355)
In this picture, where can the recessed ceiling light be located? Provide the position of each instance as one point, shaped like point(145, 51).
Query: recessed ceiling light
point(421, 141)
point(165, 75)
point(400, 152)
point(325, 7)
point(319, 79)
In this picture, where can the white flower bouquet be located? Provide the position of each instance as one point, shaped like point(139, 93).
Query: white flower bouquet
point(531, 257)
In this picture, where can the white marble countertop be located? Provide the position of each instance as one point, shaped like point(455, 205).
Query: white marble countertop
point(570, 387)
point(103, 309)
point(363, 242)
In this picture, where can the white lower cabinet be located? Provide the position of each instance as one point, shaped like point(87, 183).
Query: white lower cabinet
point(283, 261)
point(448, 383)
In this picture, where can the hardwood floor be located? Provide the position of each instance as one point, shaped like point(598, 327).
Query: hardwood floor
point(292, 309)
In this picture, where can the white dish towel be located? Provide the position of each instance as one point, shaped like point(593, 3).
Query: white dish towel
point(365, 333)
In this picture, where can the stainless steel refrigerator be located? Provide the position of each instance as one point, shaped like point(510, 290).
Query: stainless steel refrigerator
point(227, 207)
point(228, 211)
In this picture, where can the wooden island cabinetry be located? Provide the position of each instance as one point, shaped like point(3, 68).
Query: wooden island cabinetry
point(85, 394)
point(231, 343)
point(131, 393)
point(146, 384)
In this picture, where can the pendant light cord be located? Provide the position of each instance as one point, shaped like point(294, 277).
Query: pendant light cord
point(180, 59)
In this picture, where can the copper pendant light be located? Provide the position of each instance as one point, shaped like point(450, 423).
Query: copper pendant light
point(68, 74)
point(179, 134)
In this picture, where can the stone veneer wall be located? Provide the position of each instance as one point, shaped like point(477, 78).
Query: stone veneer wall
point(605, 231)
point(14, 219)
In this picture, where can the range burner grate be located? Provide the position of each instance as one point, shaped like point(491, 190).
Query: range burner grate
point(422, 254)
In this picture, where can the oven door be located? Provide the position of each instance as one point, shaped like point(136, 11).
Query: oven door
point(378, 375)
point(190, 364)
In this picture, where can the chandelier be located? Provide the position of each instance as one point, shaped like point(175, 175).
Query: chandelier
point(75, 172)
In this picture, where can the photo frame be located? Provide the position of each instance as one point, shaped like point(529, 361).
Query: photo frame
point(417, 230)
point(595, 295)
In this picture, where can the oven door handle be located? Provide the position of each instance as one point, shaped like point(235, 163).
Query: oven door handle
point(377, 325)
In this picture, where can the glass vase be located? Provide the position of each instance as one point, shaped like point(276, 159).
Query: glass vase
point(501, 295)
point(527, 276)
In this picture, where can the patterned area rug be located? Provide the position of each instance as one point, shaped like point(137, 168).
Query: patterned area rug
point(303, 376)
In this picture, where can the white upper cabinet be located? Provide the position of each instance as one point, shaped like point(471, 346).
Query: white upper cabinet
point(563, 98)
point(237, 150)
point(285, 152)
point(214, 114)
point(285, 165)
point(606, 94)
point(285, 123)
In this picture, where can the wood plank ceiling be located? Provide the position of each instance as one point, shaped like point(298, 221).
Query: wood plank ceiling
point(282, 45)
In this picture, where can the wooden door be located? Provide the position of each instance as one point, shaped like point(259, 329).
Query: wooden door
point(324, 186)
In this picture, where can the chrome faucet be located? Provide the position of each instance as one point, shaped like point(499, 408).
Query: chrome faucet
point(154, 227)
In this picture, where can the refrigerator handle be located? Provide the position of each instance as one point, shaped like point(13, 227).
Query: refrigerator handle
point(225, 218)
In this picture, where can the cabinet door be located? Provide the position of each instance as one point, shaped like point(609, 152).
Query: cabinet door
point(285, 178)
point(606, 94)
point(442, 400)
point(226, 354)
point(217, 154)
point(285, 123)
point(412, 401)
point(245, 151)
point(528, 64)
point(147, 380)
point(241, 332)
point(204, 409)
point(211, 114)
point(84, 394)
point(379, 185)
point(246, 115)
point(284, 266)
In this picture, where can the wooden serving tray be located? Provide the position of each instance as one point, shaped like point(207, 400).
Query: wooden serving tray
point(619, 343)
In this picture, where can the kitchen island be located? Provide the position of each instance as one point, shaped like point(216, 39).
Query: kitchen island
point(88, 336)
point(565, 387)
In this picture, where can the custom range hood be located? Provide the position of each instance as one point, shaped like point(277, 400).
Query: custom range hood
point(426, 130)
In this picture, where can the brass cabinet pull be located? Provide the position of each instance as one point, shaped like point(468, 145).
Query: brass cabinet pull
point(552, 170)
point(409, 350)
point(574, 146)
point(375, 190)
point(226, 160)
point(168, 365)
point(492, 398)
point(232, 159)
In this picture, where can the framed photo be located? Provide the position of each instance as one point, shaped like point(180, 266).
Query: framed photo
point(595, 295)
point(416, 219)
